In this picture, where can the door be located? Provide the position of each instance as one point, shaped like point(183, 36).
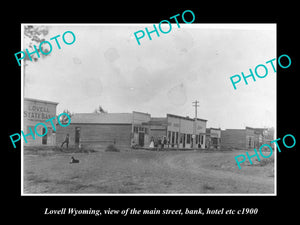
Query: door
point(44, 138)
point(77, 135)
point(141, 139)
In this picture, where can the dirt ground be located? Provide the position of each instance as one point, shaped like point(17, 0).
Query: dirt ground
point(146, 172)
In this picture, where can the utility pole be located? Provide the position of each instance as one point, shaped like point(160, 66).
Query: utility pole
point(195, 104)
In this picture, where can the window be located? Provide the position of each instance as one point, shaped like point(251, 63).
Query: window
point(169, 135)
point(135, 129)
point(77, 135)
point(44, 138)
point(201, 139)
point(188, 141)
point(197, 138)
point(146, 130)
point(173, 137)
point(176, 137)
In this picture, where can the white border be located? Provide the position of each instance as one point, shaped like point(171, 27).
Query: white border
point(22, 110)
point(235, 26)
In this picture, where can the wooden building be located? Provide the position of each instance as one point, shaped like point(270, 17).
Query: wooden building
point(132, 129)
point(37, 111)
point(178, 131)
point(248, 138)
point(213, 138)
point(102, 129)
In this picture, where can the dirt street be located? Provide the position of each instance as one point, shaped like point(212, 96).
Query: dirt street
point(145, 172)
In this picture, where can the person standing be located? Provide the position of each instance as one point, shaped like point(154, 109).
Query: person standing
point(159, 144)
point(151, 143)
point(163, 142)
point(66, 141)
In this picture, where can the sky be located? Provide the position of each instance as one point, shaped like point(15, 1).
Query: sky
point(105, 66)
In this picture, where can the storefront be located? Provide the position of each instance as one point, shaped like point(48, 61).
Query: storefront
point(178, 131)
point(213, 138)
point(37, 111)
point(185, 132)
point(98, 130)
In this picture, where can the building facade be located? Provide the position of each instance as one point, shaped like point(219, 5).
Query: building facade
point(248, 138)
point(98, 130)
point(185, 132)
point(37, 111)
point(213, 138)
point(177, 131)
point(140, 132)
point(132, 129)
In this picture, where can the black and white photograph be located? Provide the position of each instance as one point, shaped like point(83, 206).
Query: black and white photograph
point(122, 112)
point(131, 109)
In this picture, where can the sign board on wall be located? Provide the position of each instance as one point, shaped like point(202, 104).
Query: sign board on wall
point(38, 110)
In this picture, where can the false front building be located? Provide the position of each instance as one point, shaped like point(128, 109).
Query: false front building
point(213, 138)
point(98, 130)
point(178, 131)
point(247, 138)
point(37, 111)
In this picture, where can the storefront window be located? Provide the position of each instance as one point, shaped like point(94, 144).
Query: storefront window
point(188, 141)
point(173, 137)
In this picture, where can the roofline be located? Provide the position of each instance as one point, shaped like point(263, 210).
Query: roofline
point(186, 118)
point(102, 113)
point(85, 123)
point(235, 129)
point(39, 100)
point(214, 128)
point(141, 113)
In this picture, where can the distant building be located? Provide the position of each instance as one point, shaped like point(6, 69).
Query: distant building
point(248, 138)
point(37, 111)
point(179, 131)
point(213, 138)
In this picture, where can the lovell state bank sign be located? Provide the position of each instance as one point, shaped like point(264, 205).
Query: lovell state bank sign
point(35, 111)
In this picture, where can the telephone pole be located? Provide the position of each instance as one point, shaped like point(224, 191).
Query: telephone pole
point(195, 104)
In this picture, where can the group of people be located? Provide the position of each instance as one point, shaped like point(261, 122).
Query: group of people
point(158, 143)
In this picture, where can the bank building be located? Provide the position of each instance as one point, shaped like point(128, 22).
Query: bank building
point(37, 111)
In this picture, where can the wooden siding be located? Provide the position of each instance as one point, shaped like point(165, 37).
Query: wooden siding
point(97, 135)
point(233, 139)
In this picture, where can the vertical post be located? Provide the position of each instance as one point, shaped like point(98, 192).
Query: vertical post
point(179, 134)
point(195, 104)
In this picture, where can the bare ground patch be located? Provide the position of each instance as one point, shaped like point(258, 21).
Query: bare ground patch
point(143, 172)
